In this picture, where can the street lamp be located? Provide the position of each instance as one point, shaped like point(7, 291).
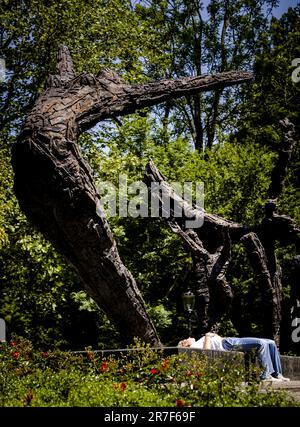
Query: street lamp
point(188, 300)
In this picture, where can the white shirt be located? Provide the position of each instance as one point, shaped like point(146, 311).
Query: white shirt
point(215, 343)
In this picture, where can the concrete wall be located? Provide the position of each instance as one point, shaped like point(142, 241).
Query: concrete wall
point(291, 367)
point(290, 364)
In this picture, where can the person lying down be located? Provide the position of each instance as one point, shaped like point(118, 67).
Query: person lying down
point(265, 349)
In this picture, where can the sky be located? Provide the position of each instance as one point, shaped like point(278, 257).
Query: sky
point(283, 6)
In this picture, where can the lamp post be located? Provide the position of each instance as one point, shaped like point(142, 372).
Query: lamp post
point(188, 300)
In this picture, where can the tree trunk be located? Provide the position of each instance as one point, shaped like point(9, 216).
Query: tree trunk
point(55, 188)
point(197, 119)
point(284, 156)
point(268, 273)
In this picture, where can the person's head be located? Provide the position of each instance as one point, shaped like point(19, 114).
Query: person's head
point(187, 342)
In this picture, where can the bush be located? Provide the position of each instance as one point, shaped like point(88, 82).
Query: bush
point(141, 377)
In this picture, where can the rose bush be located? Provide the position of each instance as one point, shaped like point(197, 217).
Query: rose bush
point(139, 377)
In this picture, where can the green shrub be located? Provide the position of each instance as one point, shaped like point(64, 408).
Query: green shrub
point(141, 377)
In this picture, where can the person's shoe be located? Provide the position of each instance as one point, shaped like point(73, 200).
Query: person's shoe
point(270, 379)
point(282, 378)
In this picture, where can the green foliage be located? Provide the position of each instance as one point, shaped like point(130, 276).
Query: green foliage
point(5, 200)
point(161, 317)
point(204, 37)
point(275, 96)
point(140, 377)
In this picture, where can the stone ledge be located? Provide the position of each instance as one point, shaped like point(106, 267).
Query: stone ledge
point(213, 354)
point(291, 387)
point(291, 367)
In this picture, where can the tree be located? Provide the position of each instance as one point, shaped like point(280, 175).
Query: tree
point(220, 37)
point(55, 188)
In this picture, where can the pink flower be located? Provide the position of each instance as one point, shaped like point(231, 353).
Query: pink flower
point(154, 371)
point(123, 387)
point(13, 343)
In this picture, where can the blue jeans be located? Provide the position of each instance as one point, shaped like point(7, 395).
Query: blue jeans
point(265, 349)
